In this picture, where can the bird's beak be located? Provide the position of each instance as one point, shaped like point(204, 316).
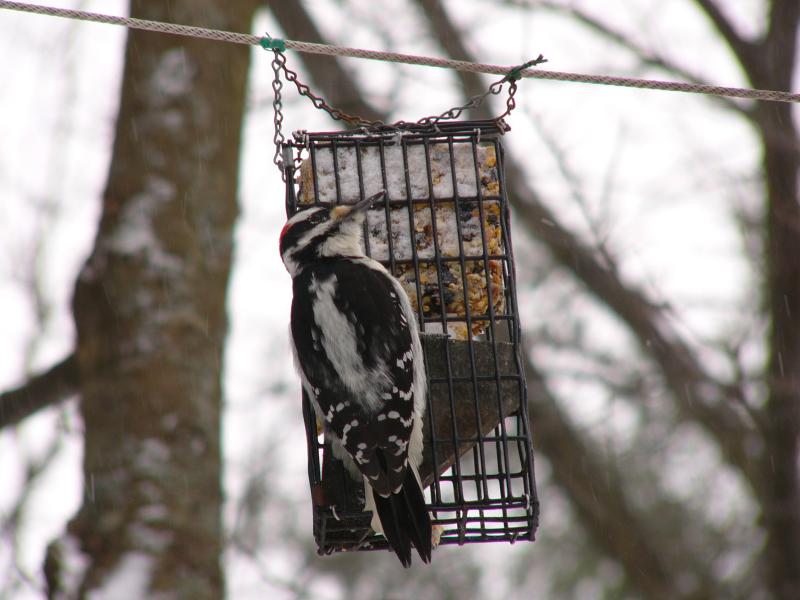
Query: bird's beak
point(366, 203)
point(347, 211)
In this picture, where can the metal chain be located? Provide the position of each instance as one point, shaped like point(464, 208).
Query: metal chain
point(318, 102)
point(277, 108)
point(494, 90)
point(474, 102)
point(279, 65)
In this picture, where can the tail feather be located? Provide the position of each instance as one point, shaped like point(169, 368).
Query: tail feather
point(418, 516)
point(405, 520)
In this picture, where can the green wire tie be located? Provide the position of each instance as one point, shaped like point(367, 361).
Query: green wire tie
point(270, 43)
point(516, 73)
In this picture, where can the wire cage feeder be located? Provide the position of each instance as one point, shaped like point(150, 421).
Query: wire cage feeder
point(442, 229)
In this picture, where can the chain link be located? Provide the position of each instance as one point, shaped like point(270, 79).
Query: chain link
point(476, 101)
point(278, 61)
point(318, 102)
point(279, 66)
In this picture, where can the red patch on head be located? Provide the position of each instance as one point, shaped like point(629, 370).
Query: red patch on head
point(283, 232)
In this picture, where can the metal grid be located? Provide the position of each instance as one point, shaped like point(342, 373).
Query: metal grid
point(477, 406)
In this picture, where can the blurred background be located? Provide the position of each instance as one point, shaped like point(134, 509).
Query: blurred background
point(151, 440)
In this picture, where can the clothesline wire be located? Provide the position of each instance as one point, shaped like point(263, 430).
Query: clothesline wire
point(331, 50)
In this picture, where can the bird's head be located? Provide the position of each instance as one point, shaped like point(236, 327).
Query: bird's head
point(322, 232)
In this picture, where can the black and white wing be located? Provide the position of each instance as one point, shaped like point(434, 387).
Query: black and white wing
point(356, 355)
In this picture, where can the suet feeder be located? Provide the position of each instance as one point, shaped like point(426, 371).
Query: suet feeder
point(442, 229)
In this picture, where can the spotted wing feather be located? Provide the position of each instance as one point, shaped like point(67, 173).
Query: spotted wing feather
point(373, 424)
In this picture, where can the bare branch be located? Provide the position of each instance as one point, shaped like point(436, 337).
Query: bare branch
point(452, 42)
point(598, 231)
point(51, 387)
point(593, 486)
point(645, 55)
point(341, 90)
point(698, 396)
point(14, 518)
point(744, 50)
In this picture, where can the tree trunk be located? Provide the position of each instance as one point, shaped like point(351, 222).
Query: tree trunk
point(781, 498)
point(149, 308)
point(772, 66)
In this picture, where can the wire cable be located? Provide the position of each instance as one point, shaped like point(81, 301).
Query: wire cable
point(330, 50)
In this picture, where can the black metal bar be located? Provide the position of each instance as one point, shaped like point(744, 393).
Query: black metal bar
point(457, 488)
point(457, 210)
point(387, 214)
point(361, 191)
point(516, 334)
point(436, 491)
point(500, 448)
point(314, 181)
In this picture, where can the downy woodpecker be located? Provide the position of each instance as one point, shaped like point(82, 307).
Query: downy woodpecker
point(359, 356)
